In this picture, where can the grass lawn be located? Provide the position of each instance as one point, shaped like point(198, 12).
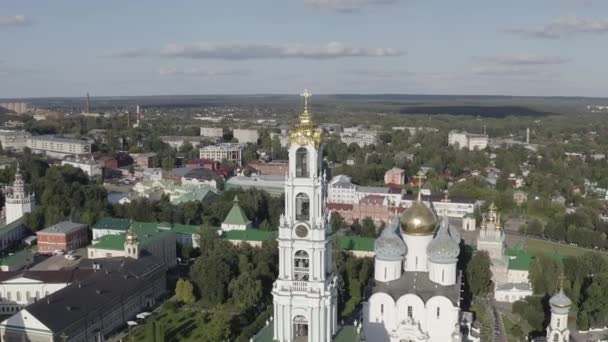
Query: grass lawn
point(535, 247)
point(179, 325)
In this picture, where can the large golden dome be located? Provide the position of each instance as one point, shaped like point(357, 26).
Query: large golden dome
point(418, 219)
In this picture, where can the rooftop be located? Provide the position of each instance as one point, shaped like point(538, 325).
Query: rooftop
point(112, 223)
point(48, 277)
point(248, 235)
point(59, 139)
point(105, 287)
point(11, 226)
point(64, 227)
point(18, 258)
point(146, 232)
point(418, 283)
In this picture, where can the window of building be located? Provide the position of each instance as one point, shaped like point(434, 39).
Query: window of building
point(381, 308)
point(302, 162)
point(438, 312)
point(302, 207)
point(558, 322)
point(410, 312)
point(18, 295)
point(301, 266)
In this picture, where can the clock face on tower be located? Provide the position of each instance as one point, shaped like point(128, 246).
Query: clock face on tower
point(301, 231)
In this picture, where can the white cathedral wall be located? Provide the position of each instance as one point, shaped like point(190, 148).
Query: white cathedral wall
point(416, 258)
point(518, 276)
point(385, 270)
point(444, 274)
point(382, 314)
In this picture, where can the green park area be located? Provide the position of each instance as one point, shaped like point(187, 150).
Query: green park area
point(537, 246)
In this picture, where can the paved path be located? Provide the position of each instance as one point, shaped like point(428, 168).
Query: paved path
point(498, 327)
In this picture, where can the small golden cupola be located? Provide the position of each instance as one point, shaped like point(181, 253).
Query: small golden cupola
point(419, 219)
point(305, 132)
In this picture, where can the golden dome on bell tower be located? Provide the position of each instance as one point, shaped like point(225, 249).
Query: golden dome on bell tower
point(306, 132)
point(419, 219)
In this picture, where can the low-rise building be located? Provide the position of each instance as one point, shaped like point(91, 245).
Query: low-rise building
point(236, 218)
point(140, 239)
point(275, 167)
point(87, 165)
point(63, 236)
point(57, 147)
point(520, 197)
point(272, 184)
point(230, 152)
point(155, 189)
point(144, 160)
point(12, 234)
point(16, 261)
point(361, 138)
point(212, 132)
point(246, 136)
point(469, 141)
point(178, 141)
point(394, 177)
point(14, 140)
point(93, 308)
point(21, 288)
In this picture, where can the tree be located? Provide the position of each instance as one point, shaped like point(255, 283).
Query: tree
point(479, 275)
point(368, 228)
point(543, 274)
point(184, 292)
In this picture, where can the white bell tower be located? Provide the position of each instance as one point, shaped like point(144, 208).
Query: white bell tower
point(557, 330)
point(305, 293)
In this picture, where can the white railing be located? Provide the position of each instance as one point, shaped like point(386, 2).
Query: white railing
point(299, 286)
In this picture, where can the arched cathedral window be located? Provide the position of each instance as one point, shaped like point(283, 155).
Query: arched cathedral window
point(301, 267)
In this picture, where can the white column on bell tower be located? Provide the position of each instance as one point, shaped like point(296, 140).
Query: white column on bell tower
point(305, 292)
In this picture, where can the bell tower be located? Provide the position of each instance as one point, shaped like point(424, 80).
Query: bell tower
point(305, 293)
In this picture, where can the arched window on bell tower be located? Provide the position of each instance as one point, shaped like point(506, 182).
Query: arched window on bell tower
point(301, 268)
point(302, 163)
point(302, 207)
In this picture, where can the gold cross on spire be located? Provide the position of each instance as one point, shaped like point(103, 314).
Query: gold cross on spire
point(306, 95)
point(420, 177)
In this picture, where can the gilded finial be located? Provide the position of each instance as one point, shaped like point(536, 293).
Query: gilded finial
point(306, 95)
point(420, 177)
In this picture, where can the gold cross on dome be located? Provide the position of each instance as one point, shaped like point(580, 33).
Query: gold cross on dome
point(420, 177)
point(306, 95)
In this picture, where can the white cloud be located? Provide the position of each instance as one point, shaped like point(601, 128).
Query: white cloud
point(171, 71)
point(14, 20)
point(564, 26)
point(346, 6)
point(273, 51)
point(524, 60)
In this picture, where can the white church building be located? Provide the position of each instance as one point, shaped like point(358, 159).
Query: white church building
point(416, 292)
point(18, 201)
point(305, 292)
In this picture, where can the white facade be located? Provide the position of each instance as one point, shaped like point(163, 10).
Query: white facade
point(88, 166)
point(557, 330)
point(305, 292)
point(57, 147)
point(469, 141)
point(223, 152)
point(359, 138)
point(18, 201)
point(212, 132)
point(19, 292)
point(245, 136)
point(14, 140)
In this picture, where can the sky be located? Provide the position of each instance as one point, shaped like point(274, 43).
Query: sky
point(160, 47)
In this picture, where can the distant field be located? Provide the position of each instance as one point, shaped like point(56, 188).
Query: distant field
point(535, 247)
point(485, 111)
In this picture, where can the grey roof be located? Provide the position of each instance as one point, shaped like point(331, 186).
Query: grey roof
point(59, 139)
point(418, 283)
point(64, 227)
point(389, 245)
point(95, 294)
point(560, 301)
point(443, 248)
point(49, 277)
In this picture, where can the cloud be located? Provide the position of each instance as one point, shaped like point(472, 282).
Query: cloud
point(273, 51)
point(14, 20)
point(346, 6)
point(524, 60)
point(128, 52)
point(564, 26)
point(171, 71)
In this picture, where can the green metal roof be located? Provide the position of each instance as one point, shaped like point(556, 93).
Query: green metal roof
point(21, 257)
point(145, 231)
point(111, 241)
point(186, 228)
point(11, 226)
point(112, 223)
point(356, 243)
point(248, 235)
point(519, 259)
point(236, 216)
